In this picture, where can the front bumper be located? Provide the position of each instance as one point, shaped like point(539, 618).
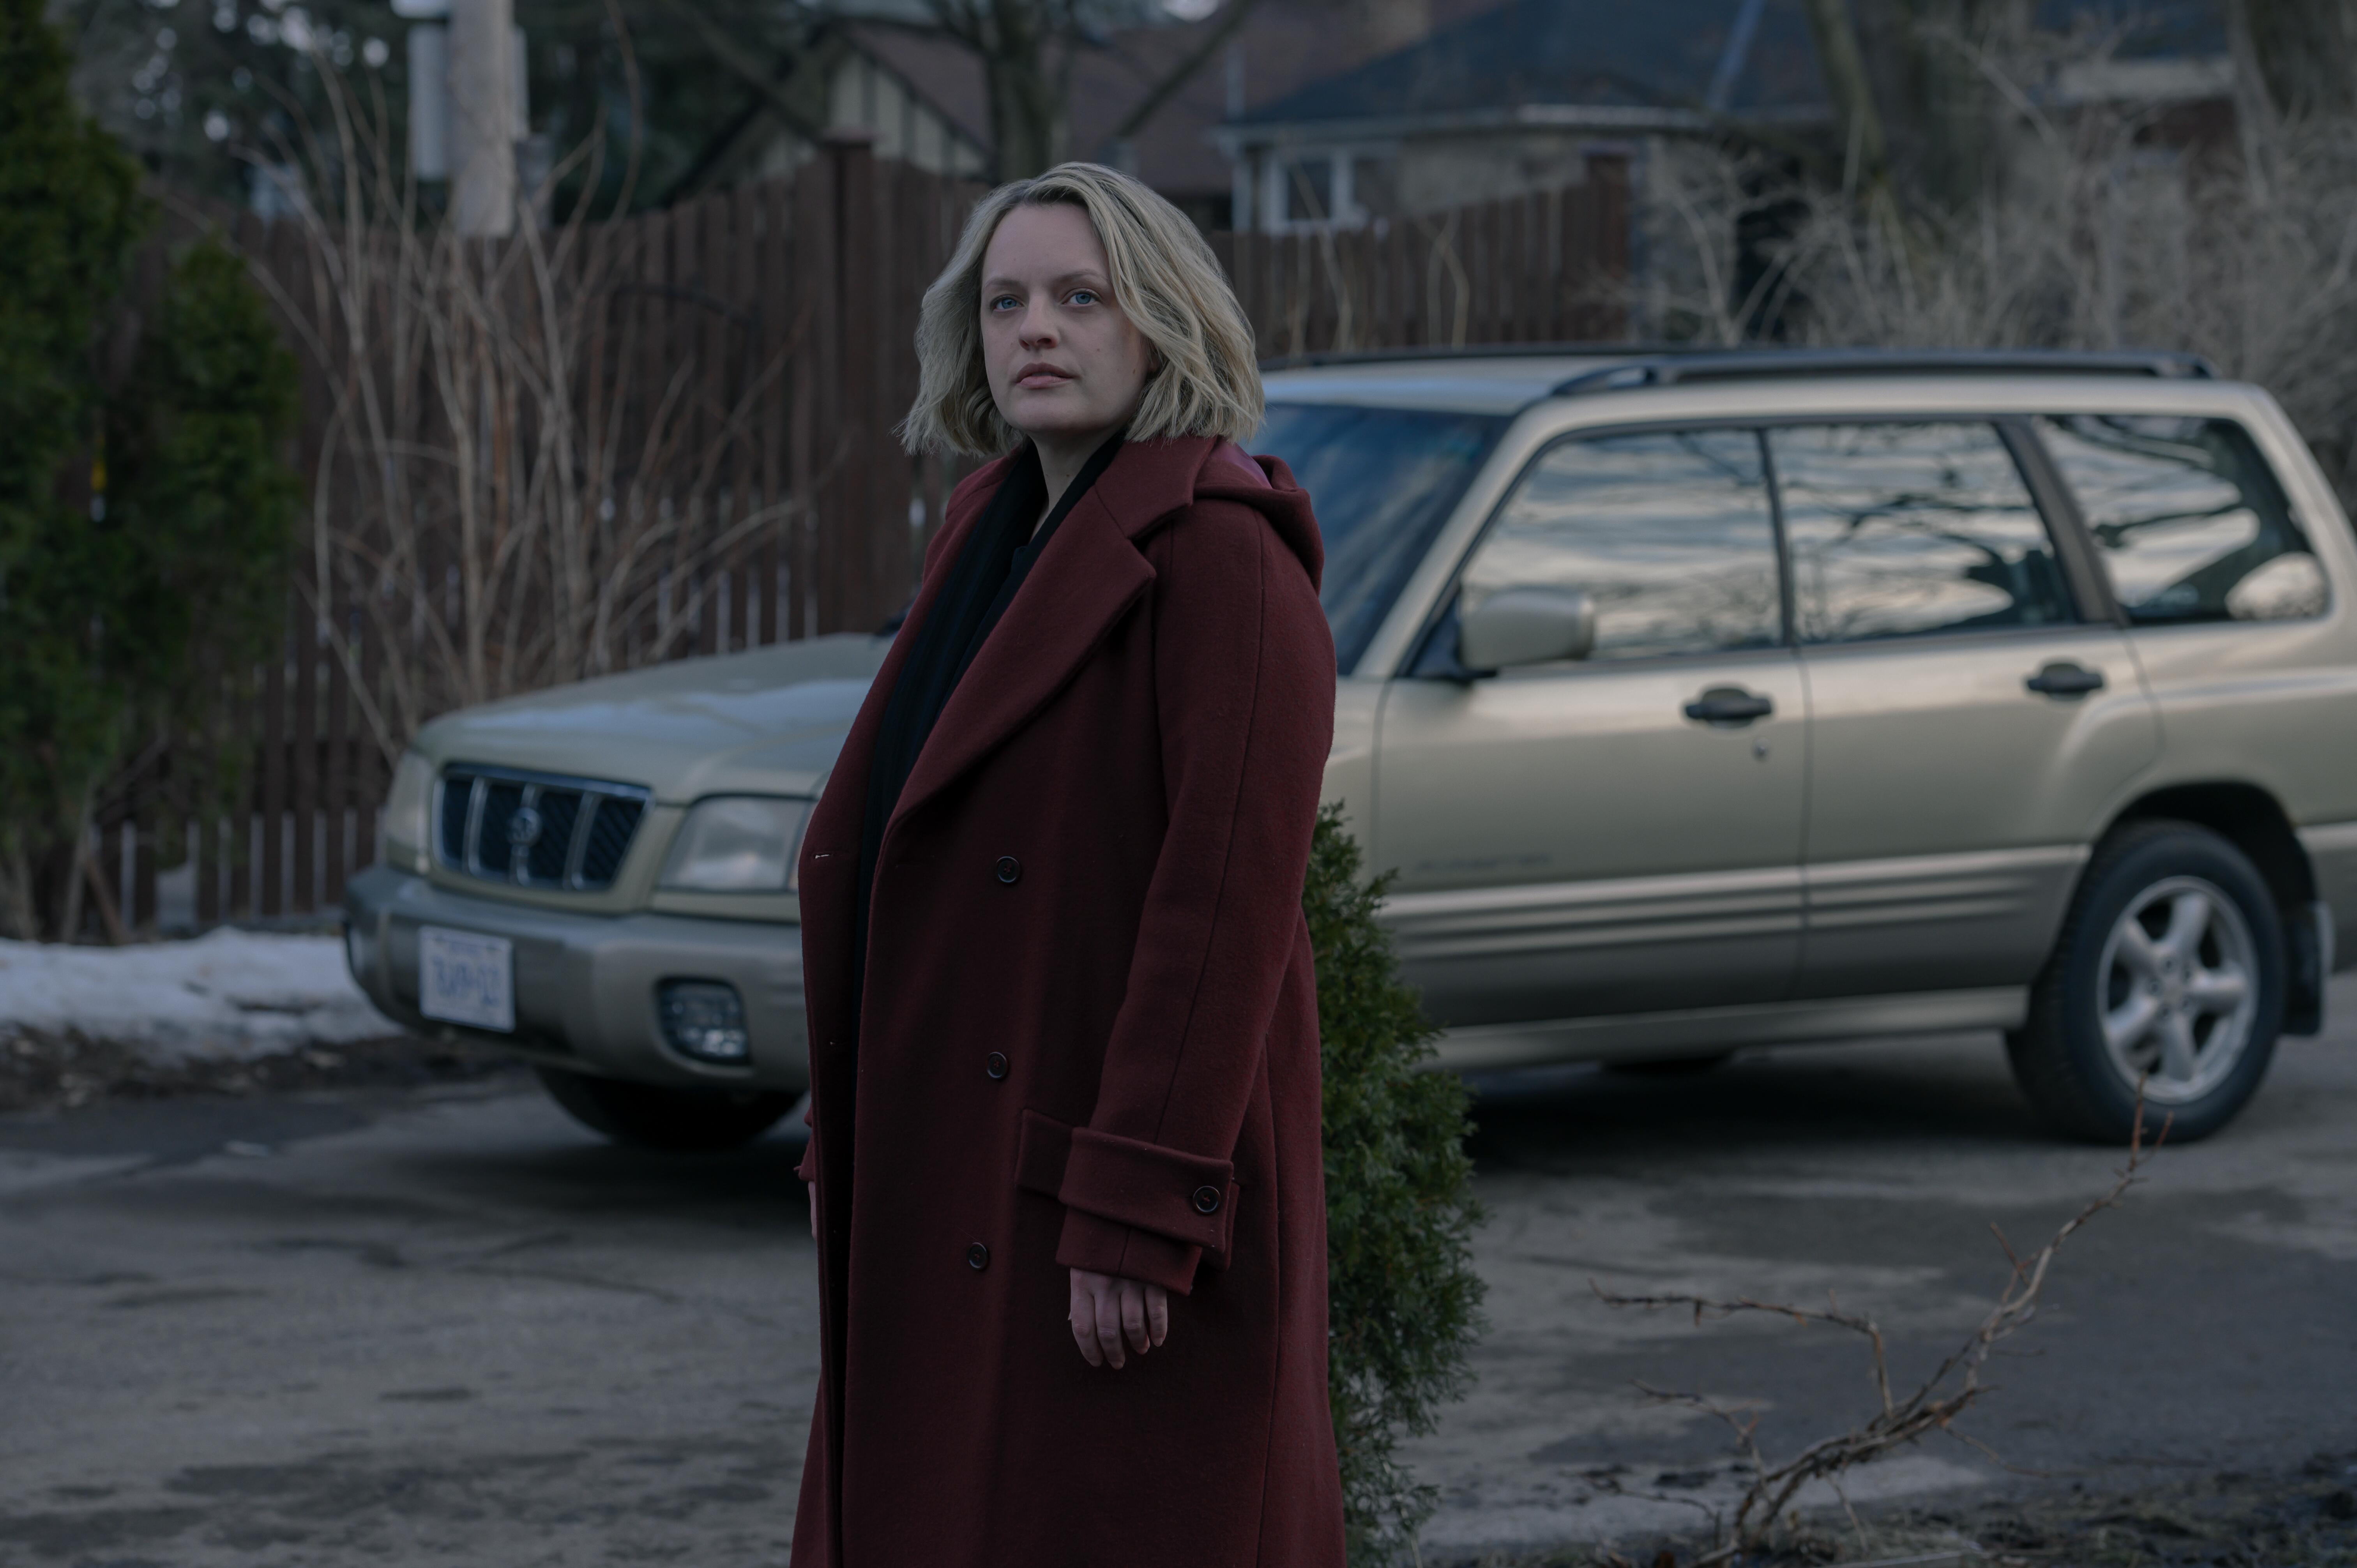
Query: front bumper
point(584, 984)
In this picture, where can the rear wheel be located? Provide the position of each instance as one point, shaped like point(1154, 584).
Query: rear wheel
point(2169, 974)
point(652, 1117)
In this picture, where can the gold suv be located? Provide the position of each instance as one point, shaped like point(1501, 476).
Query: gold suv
point(1701, 701)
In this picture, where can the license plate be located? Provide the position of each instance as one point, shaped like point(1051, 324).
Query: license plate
point(463, 978)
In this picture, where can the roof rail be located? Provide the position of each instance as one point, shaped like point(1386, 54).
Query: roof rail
point(1743, 364)
point(1589, 349)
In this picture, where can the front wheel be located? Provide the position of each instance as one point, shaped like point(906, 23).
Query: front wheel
point(2169, 978)
point(651, 1117)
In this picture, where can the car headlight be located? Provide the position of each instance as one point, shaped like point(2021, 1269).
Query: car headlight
point(737, 843)
point(403, 828)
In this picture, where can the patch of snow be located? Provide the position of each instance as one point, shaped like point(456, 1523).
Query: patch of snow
point(227, 994)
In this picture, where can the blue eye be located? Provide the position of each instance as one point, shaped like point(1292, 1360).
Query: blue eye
point(1003, 301)
point(1084, 296)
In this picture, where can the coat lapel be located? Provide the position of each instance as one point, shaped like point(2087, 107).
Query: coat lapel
point(830, 855)
point(1086, 579)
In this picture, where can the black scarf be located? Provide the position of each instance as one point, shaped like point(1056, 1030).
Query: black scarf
point(990, 566)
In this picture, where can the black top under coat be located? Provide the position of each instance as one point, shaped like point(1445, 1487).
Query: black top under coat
point(990, 566)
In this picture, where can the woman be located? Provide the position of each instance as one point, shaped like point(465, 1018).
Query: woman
point(1067, 1178)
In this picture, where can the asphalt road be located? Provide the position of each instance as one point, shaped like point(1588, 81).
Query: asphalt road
point(450, 1327)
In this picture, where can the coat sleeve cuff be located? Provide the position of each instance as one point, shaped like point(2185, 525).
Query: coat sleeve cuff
point(1185, 1198)
point(1108, 1246)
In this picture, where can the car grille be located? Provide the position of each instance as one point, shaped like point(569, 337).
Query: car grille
point(535, 830)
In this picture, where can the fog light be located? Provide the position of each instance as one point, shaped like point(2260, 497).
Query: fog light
point(359, 953)
point(704, 1020)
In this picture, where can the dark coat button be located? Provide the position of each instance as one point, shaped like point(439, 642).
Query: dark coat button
point(977, 1257)
point(1010, 869)
point(1207, 1200)
point(995, 1064)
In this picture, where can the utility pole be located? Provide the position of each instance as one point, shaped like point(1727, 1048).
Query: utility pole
point(486, 116)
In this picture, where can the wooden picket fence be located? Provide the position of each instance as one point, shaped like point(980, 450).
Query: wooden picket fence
point(774, 322)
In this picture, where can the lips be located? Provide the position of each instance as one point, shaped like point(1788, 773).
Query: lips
point(1038, 376)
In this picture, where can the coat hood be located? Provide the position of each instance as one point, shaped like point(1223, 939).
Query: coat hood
point(1150, 483)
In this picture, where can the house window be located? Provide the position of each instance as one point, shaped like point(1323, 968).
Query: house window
point(1343, 187)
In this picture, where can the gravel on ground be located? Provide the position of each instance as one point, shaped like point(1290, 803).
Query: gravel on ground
point(2302, 1518)
point(43, 1070)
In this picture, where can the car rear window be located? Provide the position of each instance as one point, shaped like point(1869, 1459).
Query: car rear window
point(2188, 519)
point(1382, 480)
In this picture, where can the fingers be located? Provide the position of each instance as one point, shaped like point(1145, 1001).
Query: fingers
point(1158, 1313)
point(1083, 1320)
point(1107, 1303)
point(1132, 1317)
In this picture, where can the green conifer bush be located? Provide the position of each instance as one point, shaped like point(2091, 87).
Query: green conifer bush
point(132, 623)
point(1404, 1302)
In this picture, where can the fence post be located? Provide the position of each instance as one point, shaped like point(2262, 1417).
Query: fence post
point(849, 589)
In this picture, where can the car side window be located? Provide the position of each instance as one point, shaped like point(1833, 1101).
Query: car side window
point(1910, 529)
point(1669, 532)
point(2188, 519)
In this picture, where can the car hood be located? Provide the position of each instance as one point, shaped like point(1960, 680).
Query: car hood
point(768, 721)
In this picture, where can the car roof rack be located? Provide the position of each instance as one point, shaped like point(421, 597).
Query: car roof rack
point(1408, 353)
point(1686, 369)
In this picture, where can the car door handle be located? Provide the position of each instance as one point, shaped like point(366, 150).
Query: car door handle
point(2066, 679)
point(1729, 705)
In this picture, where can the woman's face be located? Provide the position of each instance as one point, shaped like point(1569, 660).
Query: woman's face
point(1066, 366)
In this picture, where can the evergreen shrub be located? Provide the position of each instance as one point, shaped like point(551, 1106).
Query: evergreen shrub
point(1404, 1302)
point(129, 628)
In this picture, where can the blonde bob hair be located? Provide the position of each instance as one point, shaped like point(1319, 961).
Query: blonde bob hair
point(1165, 279)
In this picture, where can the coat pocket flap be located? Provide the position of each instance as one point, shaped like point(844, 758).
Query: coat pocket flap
point(1046, 1143)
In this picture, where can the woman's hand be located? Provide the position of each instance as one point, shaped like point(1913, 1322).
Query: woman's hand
point(1106, 1311)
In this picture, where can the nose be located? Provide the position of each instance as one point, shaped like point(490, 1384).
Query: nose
point(1038, 328)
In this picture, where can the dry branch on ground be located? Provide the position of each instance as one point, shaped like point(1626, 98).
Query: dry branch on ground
point(1933, 1406)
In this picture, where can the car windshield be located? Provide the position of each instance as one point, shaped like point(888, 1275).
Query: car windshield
point(1383, 480)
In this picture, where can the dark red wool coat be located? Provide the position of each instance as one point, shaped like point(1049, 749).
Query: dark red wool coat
point(1088, 1039)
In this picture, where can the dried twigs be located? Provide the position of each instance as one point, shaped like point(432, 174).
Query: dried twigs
point(1943, 1396)
point(521, 475)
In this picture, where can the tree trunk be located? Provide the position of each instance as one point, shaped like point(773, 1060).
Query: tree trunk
point(1865, 149)
point(1925, 63)
point(2304, 51)
point(1030, 118)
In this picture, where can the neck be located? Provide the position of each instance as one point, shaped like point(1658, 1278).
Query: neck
point(1062, 459)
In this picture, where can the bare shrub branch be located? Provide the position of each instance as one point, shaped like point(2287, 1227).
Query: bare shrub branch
point(487, 516)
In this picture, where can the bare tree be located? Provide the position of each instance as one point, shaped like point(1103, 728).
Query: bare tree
point(2096, 233)
point(477, 513)
point(1028, 50)
point(2302, 52)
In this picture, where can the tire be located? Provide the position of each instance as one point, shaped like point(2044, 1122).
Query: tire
point(650, 1117)
point(2133, 989)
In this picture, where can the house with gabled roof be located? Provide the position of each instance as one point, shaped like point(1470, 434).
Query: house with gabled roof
point(1518, 97)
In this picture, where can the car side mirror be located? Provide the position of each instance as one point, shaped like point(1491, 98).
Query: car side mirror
point(1526, 626)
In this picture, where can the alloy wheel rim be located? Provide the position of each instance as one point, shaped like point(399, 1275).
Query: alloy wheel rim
point(2179, 990)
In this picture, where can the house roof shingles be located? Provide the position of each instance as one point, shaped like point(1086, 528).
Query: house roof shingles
point(1593, 53)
